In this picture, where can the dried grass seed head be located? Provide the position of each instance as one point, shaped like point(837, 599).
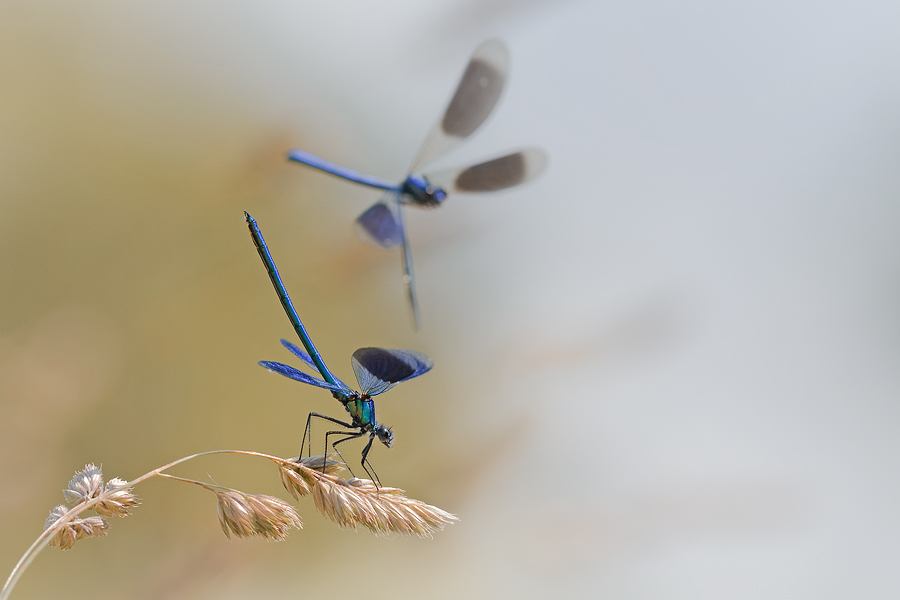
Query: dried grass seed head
point(116, 502)
point(246, 515)
point(90, 527)
point(275, 517)
point(76, 529)
point(294, 481)
point(85, 485)
point(65, 535)
point(322, 462)
point(298, 480)
point(360, 502)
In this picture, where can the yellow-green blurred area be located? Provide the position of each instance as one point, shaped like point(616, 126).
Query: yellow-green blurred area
point(667, 368)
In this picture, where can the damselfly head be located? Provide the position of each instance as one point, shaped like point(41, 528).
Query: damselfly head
point(384, 435)
point(420, 192)
point(435, 194)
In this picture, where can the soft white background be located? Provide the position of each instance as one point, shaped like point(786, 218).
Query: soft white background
point(666, 369)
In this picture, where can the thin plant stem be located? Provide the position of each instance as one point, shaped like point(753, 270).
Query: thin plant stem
point(209, 486)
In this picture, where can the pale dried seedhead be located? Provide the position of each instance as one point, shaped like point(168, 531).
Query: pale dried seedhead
point(356, 502)
point(75, 529)
point(86, 489)
point(116, 500)
point(246, 515)
point(294, 475)
point(85, 485)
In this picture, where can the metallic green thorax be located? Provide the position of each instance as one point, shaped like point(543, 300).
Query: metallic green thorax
point(362, 409)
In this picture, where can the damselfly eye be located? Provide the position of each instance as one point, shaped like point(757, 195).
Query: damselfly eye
point(384, 435)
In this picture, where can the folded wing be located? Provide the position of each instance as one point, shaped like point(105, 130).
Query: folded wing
point(296, 351)
point(300, 376)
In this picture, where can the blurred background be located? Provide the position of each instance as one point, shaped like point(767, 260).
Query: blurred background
point(668, 368)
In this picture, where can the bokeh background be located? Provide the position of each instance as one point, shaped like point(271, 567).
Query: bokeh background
point(668, 368)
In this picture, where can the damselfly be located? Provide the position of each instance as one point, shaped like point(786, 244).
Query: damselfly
point(377, 370)
point(475, 97)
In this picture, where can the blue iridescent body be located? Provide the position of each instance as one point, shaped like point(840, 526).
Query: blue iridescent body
point(412, 190)
point(377, 370)
point(476, 95)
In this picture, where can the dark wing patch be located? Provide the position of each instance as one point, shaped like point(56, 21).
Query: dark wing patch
point(379, 225)
point(474, 99)
point(380, 369)
point(493, 175)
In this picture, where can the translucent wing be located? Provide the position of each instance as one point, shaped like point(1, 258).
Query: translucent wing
point(497, 174)
point(474, 99)
point(299, 353)
point(380, 224)
point(380, 369)
point(296, 351)
point(409, 277)
point(297, 375)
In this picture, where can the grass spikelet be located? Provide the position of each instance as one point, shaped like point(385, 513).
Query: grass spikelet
point(247, 515)
point(65, 535)
point(75, 529)
point(382, 510)
point(90, 527)
point(297, 480)
point(85, 485)
point(116, 502)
